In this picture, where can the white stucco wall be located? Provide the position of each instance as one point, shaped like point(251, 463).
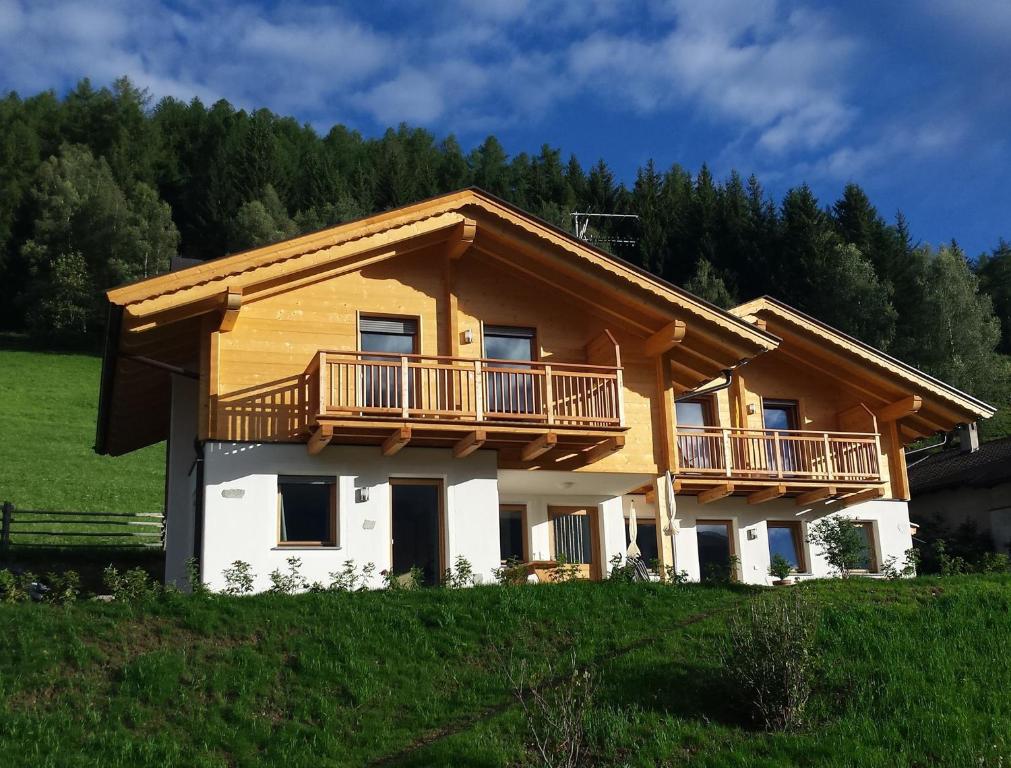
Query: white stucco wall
point(242, 524)
point(180, 482)
point(890, 518)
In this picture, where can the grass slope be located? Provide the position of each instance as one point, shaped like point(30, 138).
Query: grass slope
point(913, 674)
point(48, 407)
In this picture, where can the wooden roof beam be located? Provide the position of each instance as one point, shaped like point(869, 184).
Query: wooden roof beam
point(466, 445)
point(767, 494)
point(713, 494)
point(907, 406)
point(319, 439)
point(818, 494)
point(538, 447)
point(665, 339)
point(467, 230)
point(862, 496)
point(604, 449)
point(400, 437)
point(230, 310)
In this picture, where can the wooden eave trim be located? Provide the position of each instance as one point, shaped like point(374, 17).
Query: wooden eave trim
point(879, 360)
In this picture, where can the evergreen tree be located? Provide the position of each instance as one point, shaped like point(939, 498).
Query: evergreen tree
point(995, 279)
point(261, 222)
point(707, 284)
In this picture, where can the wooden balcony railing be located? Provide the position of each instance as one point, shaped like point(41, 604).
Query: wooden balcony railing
point(434, 388)
point(762, 454)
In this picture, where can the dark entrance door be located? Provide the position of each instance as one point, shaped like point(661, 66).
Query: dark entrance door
point(715, 549)
point(417, 526)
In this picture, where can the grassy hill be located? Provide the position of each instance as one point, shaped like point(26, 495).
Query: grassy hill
point(47, 430)
point(911, 673)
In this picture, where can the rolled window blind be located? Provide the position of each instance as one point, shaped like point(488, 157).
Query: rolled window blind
point(403, 326)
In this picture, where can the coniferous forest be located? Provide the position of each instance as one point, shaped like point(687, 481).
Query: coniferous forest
point(104, 186)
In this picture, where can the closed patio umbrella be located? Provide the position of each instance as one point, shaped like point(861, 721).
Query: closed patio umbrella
point(633, 532)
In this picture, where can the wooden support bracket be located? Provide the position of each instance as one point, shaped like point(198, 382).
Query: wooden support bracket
point(319, 439)
point(230, 309)
point(714, 494)
point(818, 494)
point(400, 437)
point(767, 494)
point(467, 445)
point(604, 449)
point(665, 339)
point(467, 229)
point(862, 496)
point(538, 447)
point(907, 406)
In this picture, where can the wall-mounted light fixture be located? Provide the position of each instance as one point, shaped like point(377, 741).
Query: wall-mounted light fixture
point(751, 409)
point(361, 495)
point(752, 534)
point(467, 337)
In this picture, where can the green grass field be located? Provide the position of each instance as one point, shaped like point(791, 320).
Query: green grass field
point(47, 430)
point(912, 673)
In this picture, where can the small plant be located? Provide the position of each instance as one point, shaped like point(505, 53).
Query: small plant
point(674, 577)
point(15, 588)
point(192, 569)
point(347, 579)
point(894, 568)
point(132, 586)
point(292, 581)
point(239, 578)
point(63, 587)
point(413, 579)
point(840, 542)
point(513, 572)
point(780, 567)
point(949, 565)
point(460, 575)
point(769, 657)
point(622, 569)
point(555, 711)
point(993, 562)
point(563, 570)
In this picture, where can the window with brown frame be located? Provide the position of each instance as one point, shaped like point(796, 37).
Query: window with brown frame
point(869, 562)
point(786, 538)
point(512, 524)
point(306, 511)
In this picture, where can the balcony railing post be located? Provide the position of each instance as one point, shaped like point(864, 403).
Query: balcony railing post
point(324, 384)
point(778, 454)
point(727, 454)
point(620, 396)
point(404, 399)
point(549, 396)
point(829, 460)
point(478, 391)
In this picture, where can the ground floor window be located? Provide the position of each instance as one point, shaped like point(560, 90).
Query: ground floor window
point(646, 540)
point(512, 532)
point(786, 540)
point(307, 511)
point(572, 537)
point(716, 549)
point(868, 562)
point(417, 525)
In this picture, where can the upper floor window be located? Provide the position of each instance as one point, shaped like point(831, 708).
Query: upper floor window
point(783, 415)
point(510, 391)
point(695, 413)
point(380, 379)
point(395, 335)
point(505, 342)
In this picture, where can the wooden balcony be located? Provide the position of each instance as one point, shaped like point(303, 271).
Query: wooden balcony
point(526, 410)
point(815, 465)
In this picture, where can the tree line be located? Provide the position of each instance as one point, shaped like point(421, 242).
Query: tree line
point(102, 186)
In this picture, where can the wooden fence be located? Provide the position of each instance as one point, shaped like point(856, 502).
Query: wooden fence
point(48, 528)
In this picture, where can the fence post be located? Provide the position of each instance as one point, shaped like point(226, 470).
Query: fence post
point(5, 527)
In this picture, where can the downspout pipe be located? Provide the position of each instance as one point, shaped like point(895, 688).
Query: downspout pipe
point(944, 441)
point(728, 379)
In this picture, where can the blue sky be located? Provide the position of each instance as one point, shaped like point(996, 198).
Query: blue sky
point(909, 98)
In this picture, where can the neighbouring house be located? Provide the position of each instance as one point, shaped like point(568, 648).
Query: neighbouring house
point(458, 378)
point(968, 483)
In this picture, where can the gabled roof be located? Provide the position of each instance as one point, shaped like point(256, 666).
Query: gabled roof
point(952, 468)
point(437, 218)
point(843, 347)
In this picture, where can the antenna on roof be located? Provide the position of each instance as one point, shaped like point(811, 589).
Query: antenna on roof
point(581, 224)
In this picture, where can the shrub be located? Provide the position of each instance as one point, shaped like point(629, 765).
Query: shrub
point(563, 570)
point(893, 568)
point(460, 575)
point(239, 578)
point(290, 582)
point(841, 545)
point(622, 569)
point(132, 586)
point(780, 567)
point(413, 579)
point(192, 568)
point(15, 588)
point(63, 587)
point(514, 572)
point(948, 564)
point(993, 562)
point(554, 711)
point(769, 658)
point(674, 577)
point(347, 579)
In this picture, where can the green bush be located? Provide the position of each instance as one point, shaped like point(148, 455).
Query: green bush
point(841, 545)
point(132, 586)
point(460, 575)
point(15, 588)
point(513, 572)
point(289, 582)
point(780, 567)
point(239, 578)
point(347, 579)
point(769, 658)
